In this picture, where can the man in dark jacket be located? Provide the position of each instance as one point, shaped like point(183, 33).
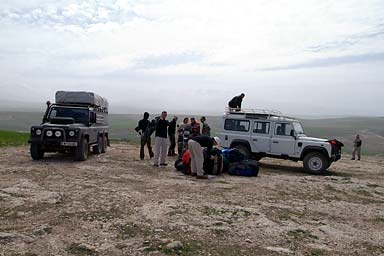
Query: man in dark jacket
point(145, 139)
point(172, 136)
point(235, 102)
point(195, 146)
point(195, 128)
point(161, 140)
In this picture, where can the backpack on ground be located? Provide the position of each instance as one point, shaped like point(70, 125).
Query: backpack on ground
point(248, 168)
point(231, 155)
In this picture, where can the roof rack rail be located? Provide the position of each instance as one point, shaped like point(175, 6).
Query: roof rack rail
point(265, 112)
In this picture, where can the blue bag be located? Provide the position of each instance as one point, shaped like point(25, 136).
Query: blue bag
point(248, 168)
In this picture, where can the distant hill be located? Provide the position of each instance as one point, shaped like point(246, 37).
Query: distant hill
point(344, 129)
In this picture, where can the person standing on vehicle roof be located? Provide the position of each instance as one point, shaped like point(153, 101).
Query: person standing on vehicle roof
point(161, 140)
point(195, 146)
point(145, 139)
point(357, 148)
point(235, 102)
point(205, 130)
point(172, 136)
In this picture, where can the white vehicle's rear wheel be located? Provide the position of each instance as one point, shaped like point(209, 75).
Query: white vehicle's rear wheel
point(315, 163)
point(244, 150)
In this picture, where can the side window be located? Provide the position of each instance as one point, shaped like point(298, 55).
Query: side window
point(261, 127)
point(236, 125)
point(53, 113)
point(283, 129)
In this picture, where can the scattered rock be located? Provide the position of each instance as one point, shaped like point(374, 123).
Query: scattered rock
point(278, 249)
point(175, 245)
point(42, 230)
point(248, 240)
point(7, 236)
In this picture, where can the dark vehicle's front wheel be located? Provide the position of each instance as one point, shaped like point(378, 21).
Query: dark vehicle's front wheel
point(98, 149)
point(315, 163)
point(81, 153)
point(36, 151)
point(105, 144)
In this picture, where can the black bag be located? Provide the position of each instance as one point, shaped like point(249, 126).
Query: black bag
point(248, 168)
point(213, 166)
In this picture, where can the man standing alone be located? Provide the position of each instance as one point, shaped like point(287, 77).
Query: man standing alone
point(205, 130)
point(145, 139)
point(161, 140)
point(356, 148)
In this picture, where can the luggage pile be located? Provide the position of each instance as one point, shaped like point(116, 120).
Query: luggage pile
point(229, 160)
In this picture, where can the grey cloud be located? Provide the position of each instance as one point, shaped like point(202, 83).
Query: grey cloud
point(327, 62)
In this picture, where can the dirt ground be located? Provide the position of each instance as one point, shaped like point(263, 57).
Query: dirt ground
point(115, 204)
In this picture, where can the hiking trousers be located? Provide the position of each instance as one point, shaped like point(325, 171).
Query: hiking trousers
point(160, 150)
point(197, 157)
point(145, 140)
point(356, 151)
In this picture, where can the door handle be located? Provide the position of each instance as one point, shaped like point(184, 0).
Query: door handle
point(254, 139)
point(275, 142)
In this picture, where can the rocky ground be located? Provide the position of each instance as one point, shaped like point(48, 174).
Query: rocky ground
point(115, 204)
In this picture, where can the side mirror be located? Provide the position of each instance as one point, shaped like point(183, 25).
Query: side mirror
point(292, 134)
point(92, 117)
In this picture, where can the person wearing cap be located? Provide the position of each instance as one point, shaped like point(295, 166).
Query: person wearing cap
point(195, 146)
point(235, 102)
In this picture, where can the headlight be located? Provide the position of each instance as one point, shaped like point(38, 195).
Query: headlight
point(58, 133)
point(38, 132)
point(71, 133)
point(49, 133)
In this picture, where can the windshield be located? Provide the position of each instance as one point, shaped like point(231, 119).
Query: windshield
point(79, 114)
point(298, 128)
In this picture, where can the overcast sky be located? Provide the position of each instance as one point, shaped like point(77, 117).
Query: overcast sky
point(312, 57)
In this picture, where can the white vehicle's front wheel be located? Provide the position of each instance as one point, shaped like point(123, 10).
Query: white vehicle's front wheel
point(315, 163)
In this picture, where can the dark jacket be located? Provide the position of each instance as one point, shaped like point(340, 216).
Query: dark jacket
point(161, 128)
point(172, 127)
point(204, 141)
point(235, 102)
point(143, 124)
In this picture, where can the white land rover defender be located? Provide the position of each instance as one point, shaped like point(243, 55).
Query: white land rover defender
point(264, 133)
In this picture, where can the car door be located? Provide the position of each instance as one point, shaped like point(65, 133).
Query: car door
point(282, 143)
point(260, 138)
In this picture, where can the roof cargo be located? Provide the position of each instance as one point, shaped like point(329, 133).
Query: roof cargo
point(81, 98)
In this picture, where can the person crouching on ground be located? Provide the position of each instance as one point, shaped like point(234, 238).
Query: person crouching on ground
point(172, 136)
point(195, 146)
point(356, 148)
point(145, 139)
point(161, 140)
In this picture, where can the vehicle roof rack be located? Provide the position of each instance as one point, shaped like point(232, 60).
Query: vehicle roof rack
point(256, 113)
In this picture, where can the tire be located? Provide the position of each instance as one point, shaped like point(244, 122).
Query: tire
point(36, 152)
point(315, 163)
point(81, 153)
point(98, 149)
point(243, 149)
point(105, 144)
point(257, 157)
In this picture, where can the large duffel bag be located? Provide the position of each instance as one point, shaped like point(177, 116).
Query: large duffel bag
point(248, 168)
point(233, 155)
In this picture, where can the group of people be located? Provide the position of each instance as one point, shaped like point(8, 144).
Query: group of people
point(190, 134)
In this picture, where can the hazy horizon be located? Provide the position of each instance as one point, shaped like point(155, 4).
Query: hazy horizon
point(305, 58)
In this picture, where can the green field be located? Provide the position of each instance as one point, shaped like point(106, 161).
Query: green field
point(343, 129)
point(11, 138)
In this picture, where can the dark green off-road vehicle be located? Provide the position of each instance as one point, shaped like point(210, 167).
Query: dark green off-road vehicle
point(77, 122)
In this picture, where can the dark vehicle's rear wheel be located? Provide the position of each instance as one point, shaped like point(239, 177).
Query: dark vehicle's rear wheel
point(257, 157)
point(243, 149)
point(36, 151)
point(98, 149)
point(315, 163)
point(105, 144)
point(82, 150)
